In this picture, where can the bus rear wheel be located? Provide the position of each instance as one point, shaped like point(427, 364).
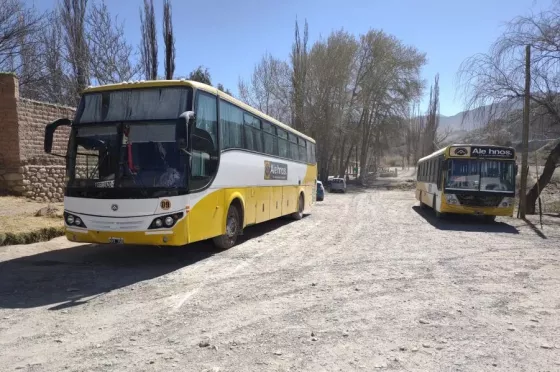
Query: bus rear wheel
point(233, 227)
point(299, 214)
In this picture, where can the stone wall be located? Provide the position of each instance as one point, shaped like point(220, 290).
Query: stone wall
point(24, 167)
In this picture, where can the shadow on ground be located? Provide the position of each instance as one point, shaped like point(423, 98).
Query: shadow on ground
point(458, 222)
point(70, 277)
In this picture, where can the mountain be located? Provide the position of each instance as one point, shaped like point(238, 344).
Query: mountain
point(466, 121)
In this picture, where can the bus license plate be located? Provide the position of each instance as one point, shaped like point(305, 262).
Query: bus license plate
point(116, 240)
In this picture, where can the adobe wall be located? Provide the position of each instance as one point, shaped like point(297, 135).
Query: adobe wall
point(24, 167)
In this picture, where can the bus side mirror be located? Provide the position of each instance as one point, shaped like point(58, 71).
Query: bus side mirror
point(185, 121)
point(49, 133)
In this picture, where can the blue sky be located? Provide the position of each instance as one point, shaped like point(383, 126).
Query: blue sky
point(229, 37)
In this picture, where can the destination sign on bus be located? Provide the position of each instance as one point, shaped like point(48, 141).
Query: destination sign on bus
point(482, 152)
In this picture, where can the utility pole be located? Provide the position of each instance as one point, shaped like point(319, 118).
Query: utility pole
point(525, 139)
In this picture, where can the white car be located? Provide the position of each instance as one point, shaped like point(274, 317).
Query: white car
point(338, 184)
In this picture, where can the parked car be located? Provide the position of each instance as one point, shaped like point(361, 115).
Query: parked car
point(338, 185)
point(320, 191)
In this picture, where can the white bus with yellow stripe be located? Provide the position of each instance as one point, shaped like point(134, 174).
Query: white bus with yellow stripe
point(468, 179)
point(173, 162)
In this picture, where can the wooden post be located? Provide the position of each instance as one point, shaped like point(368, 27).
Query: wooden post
point(525, 139)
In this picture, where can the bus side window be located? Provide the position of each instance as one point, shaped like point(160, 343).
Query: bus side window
point(204, 142)
point(231, 125)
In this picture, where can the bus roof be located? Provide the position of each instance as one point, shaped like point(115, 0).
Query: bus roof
point(445, 150)
point(196, 85)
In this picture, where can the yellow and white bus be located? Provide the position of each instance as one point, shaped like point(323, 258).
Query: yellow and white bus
point(468, 179)
point(173, 162)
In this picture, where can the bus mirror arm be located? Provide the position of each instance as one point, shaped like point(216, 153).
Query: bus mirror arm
point(185, 122)
point(49, 134)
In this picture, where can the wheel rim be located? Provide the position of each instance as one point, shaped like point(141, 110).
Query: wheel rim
point(231, 227)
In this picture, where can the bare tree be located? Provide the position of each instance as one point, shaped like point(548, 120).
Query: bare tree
point(111, 56)
point(73, 19)
point(299, 73)
point(148, 46)
point(497, 78)
point(432, 119)
point(20, 28)
point(56, 87)
point(269, 88)
point(169, 40)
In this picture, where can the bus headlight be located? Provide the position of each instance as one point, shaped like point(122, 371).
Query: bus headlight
point(507, 202)
point(451, 199)
point(72, 220)
point(166, 221)
point(169, 221)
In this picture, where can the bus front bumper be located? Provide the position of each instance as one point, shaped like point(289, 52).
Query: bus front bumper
point(163, 237)
point(487, 211)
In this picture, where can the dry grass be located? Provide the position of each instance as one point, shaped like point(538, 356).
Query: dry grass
point(18, 224)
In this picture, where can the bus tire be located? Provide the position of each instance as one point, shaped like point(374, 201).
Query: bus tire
point(233, 229)
point(301, 206)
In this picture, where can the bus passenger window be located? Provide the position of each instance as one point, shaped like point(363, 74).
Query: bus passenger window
point(231, 122)
point(204, 142)
point(282, 143)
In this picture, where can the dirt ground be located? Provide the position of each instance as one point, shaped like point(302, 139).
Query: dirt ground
point(367, 282)
point(18, 215)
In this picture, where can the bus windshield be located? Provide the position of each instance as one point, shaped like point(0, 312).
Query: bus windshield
point(146, 157)
point(481, 175)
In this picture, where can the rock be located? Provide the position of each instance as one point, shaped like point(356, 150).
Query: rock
point(345, 334)
point(511, 329)
point(277, 352)
point(402, 348)
point(423, 321)
point(314, 338)
point(313, 284)
point(546, 346)
point(48, 211)
point(58, 341)
point(203, 344)
point(414, 349)
point(534, 320)
point(427, 346)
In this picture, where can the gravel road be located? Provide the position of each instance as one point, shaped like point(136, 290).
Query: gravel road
point(367, 282)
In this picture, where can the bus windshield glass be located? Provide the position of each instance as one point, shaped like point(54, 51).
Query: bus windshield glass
point(481, 175)
point(133, 105)
point(144, 156)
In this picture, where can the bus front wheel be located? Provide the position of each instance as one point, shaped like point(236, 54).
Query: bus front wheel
point(233, 227)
